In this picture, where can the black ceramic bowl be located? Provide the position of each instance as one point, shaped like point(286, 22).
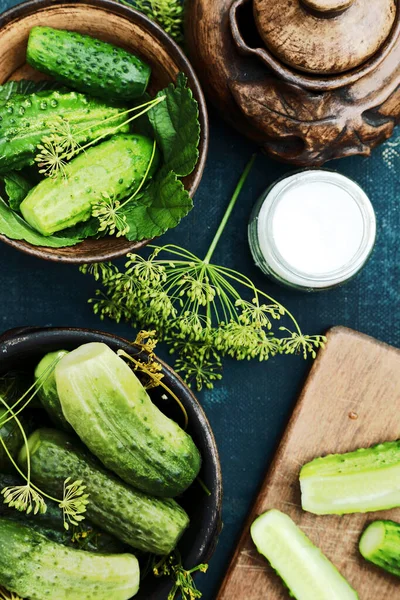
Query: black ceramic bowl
point(21, 349)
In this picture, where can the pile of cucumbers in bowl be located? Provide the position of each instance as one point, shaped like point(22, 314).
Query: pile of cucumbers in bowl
point(89, 153)
point(87, 495)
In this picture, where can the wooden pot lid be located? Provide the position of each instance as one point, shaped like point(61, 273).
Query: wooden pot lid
point(324, 36)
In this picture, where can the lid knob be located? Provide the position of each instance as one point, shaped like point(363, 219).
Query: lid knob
point(325, 37)
point(327, 6)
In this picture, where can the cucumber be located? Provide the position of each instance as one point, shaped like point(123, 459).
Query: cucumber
point(113, 415)
point(26, 120)
point(87, 64)
point(146, 523)
point(380, 545)
point(357, 482)
point(115, 167)
point(51, 524)
point(12, 437)
point(34, 567)
point(47, 389)
point(11, 434)
point(305, 570)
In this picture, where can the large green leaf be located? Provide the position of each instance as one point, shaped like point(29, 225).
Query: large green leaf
point(17, 187)
point(161, 206)
point(176, 127)
point(15, 228)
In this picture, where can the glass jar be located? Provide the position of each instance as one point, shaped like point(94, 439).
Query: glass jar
point(312, 230)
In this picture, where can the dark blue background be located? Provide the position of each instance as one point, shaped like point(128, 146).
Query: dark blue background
point(248, 410)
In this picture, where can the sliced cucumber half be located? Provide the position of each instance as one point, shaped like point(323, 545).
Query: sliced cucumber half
point(306, 571)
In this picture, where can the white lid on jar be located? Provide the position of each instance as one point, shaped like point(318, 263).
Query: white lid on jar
point(316, 229)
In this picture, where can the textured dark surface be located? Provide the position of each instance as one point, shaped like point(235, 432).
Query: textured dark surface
point(250, 407)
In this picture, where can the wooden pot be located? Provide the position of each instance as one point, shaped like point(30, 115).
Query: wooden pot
point(124, 27)
point(309, 80)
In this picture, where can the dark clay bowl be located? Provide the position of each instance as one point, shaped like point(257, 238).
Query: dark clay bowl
point(119, 25)
point(21, 349)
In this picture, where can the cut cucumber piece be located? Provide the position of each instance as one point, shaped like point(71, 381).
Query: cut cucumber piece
point(357, 482)
point(305, 570)
point(380, 544)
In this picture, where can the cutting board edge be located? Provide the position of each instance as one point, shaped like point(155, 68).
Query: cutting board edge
point(331, 334)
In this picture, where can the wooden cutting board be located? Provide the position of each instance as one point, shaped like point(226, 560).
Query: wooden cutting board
point(351, 399)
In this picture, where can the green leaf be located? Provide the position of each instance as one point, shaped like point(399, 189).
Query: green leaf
point(14, 227)
point(177, 128)
point(17, 188)
point(161, 206)
point(83, 230)
point(26, 86)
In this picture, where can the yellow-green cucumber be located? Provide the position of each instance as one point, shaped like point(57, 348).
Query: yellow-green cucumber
point(380, 545)
point(87, 64)
point(305, 570)
point(114, 168)
point(47, 389)
point(114, 416)
point(150, 524)
point(365, 480)
point(26, 120)
point(35, 567)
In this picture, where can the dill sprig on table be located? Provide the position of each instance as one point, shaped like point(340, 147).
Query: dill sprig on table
point(204, 311)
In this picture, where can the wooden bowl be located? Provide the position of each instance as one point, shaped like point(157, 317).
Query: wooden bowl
point(22, 348)
point(122, 26)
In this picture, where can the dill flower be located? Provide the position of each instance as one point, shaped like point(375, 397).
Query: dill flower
point(203, 311)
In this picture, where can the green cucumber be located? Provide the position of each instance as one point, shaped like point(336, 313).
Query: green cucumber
point(305, 570)
point(115, 167)
point(34, 567)
point(26, 120)
point(357, 482)
point(380, 545)
point(47, 389)
point(114, 416)
point(86, 536)
point(87, 64)
point(146, 523)
point(11, 435)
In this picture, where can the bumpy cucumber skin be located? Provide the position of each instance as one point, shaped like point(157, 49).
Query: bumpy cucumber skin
point(114, 416)
point(115, 167)
point(26, 120)
point(387, 553)
point(87, 64)
point(146, 523)
point(35, 567)
point(47, 389)
point(365, 480)
point(304, 569)
point(51, 524)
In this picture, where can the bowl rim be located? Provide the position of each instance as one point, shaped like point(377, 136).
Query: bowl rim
point(131, 14)
point(20, 335)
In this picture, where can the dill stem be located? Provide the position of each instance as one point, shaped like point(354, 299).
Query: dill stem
point(229, 210)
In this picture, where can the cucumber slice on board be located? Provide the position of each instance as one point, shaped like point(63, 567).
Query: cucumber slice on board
point(305, 570)
point(380, 544)
point(357, 482)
